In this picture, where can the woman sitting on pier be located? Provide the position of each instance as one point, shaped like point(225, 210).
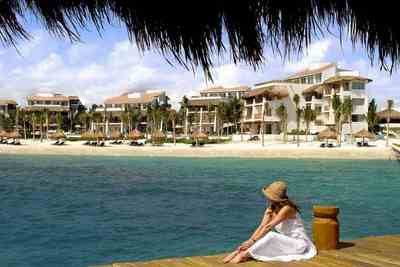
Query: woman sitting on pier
point(289, 242)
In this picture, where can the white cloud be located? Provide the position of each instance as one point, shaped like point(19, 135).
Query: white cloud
point(96, 70)
point(314, 54)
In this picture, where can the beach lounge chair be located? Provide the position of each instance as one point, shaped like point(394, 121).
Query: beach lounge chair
point(56, 143)
point(94, 143)
point(11, 143)
point(62, 142)
point(322, 145)
point(101, 144)
point(330, 145)
point(86, 143)
point(119, 142)
point(17, 143)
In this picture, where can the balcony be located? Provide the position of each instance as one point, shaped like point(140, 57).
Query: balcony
point(358, 94)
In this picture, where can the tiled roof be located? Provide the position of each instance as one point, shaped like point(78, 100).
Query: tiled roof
point(219, 89)
point(276, 90)
point(337, 78)
point(310, 71)
point(44, 98)
point(205, 102)
point(7, 102)
point(144, 98)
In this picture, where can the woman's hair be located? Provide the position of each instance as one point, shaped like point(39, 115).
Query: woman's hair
point(276, 206)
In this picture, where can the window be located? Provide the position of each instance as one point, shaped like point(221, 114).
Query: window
point(310, 79)
point(318, 123)
point(318, 108)
point(308, 98)
point(318, 78)
point(357, 118)
point(248, 112)
point(358, 85)
point(308, 105)
point(249, 101)
point(346, 86)
point(303, 80)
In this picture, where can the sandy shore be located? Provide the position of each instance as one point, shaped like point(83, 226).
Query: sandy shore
point(245, 150)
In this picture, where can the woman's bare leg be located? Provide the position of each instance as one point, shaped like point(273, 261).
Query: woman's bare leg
point(230, 256)
point(240, 257)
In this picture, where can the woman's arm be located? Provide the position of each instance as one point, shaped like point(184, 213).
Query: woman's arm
point(268, 215)
point(285, 213)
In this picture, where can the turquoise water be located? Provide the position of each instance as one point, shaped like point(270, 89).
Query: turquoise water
point(80, 211)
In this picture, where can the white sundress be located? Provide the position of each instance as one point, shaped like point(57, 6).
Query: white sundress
point(289, 243)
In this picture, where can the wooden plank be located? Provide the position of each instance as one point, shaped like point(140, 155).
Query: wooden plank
point(360, 258)
point(345, 261)
point(367, 252)
point(327, 259)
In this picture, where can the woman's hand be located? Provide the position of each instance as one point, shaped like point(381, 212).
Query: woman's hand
point(246, 244)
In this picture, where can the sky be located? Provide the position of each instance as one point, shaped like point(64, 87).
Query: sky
point(101, 66)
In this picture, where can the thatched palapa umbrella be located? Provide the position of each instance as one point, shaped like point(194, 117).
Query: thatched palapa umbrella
point(100, 136)
point(89, 136)
point(327, 134)
point(135, 135)
point(199, 136)
point(157, 138)
point(364, 134)
point(57, 135)
point(14, 135)
point(195, 39)
point(115, 135)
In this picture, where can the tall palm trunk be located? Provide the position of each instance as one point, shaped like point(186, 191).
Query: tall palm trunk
point(241, 129)
point(24, 125)
point(387, 130)
point(47, 125)
point(174, 132)
point(351, 129)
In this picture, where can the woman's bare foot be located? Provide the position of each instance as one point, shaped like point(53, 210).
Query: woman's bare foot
point(240, 257)
point(230, 256)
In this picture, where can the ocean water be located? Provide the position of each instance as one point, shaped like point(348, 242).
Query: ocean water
point(78, 211)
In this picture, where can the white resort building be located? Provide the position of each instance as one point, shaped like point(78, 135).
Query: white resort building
point(114, 107)
point(51, 104)
point(201, 113)
point(315, 87)
point(7, 106)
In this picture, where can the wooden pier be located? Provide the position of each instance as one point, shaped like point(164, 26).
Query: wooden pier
point(383, 251)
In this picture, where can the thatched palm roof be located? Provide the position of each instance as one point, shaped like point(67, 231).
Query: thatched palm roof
point(200, 136)
point(135, 135)
point(384, 114)
point(364, 134)
point(327, 134)
point(193, 32)
point(57, 135)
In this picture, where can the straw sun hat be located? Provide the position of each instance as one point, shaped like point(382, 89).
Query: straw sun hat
point(277, 191)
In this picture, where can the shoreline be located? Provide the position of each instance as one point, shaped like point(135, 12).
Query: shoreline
point(231, 150)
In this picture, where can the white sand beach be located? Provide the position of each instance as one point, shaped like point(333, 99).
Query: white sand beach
point(378, 150)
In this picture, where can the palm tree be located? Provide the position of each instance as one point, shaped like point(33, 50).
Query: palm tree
point(337, 109)
point(183, 111)
point(220, 117)
point(347, 110)
point(372, 117)
point(59, 121)
point(390, 104)
point(296, 100)
point(96, 117)
point(281, 112)
point(172, 115)
point(24, 117)
point(265, 108)
point(309, 115)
